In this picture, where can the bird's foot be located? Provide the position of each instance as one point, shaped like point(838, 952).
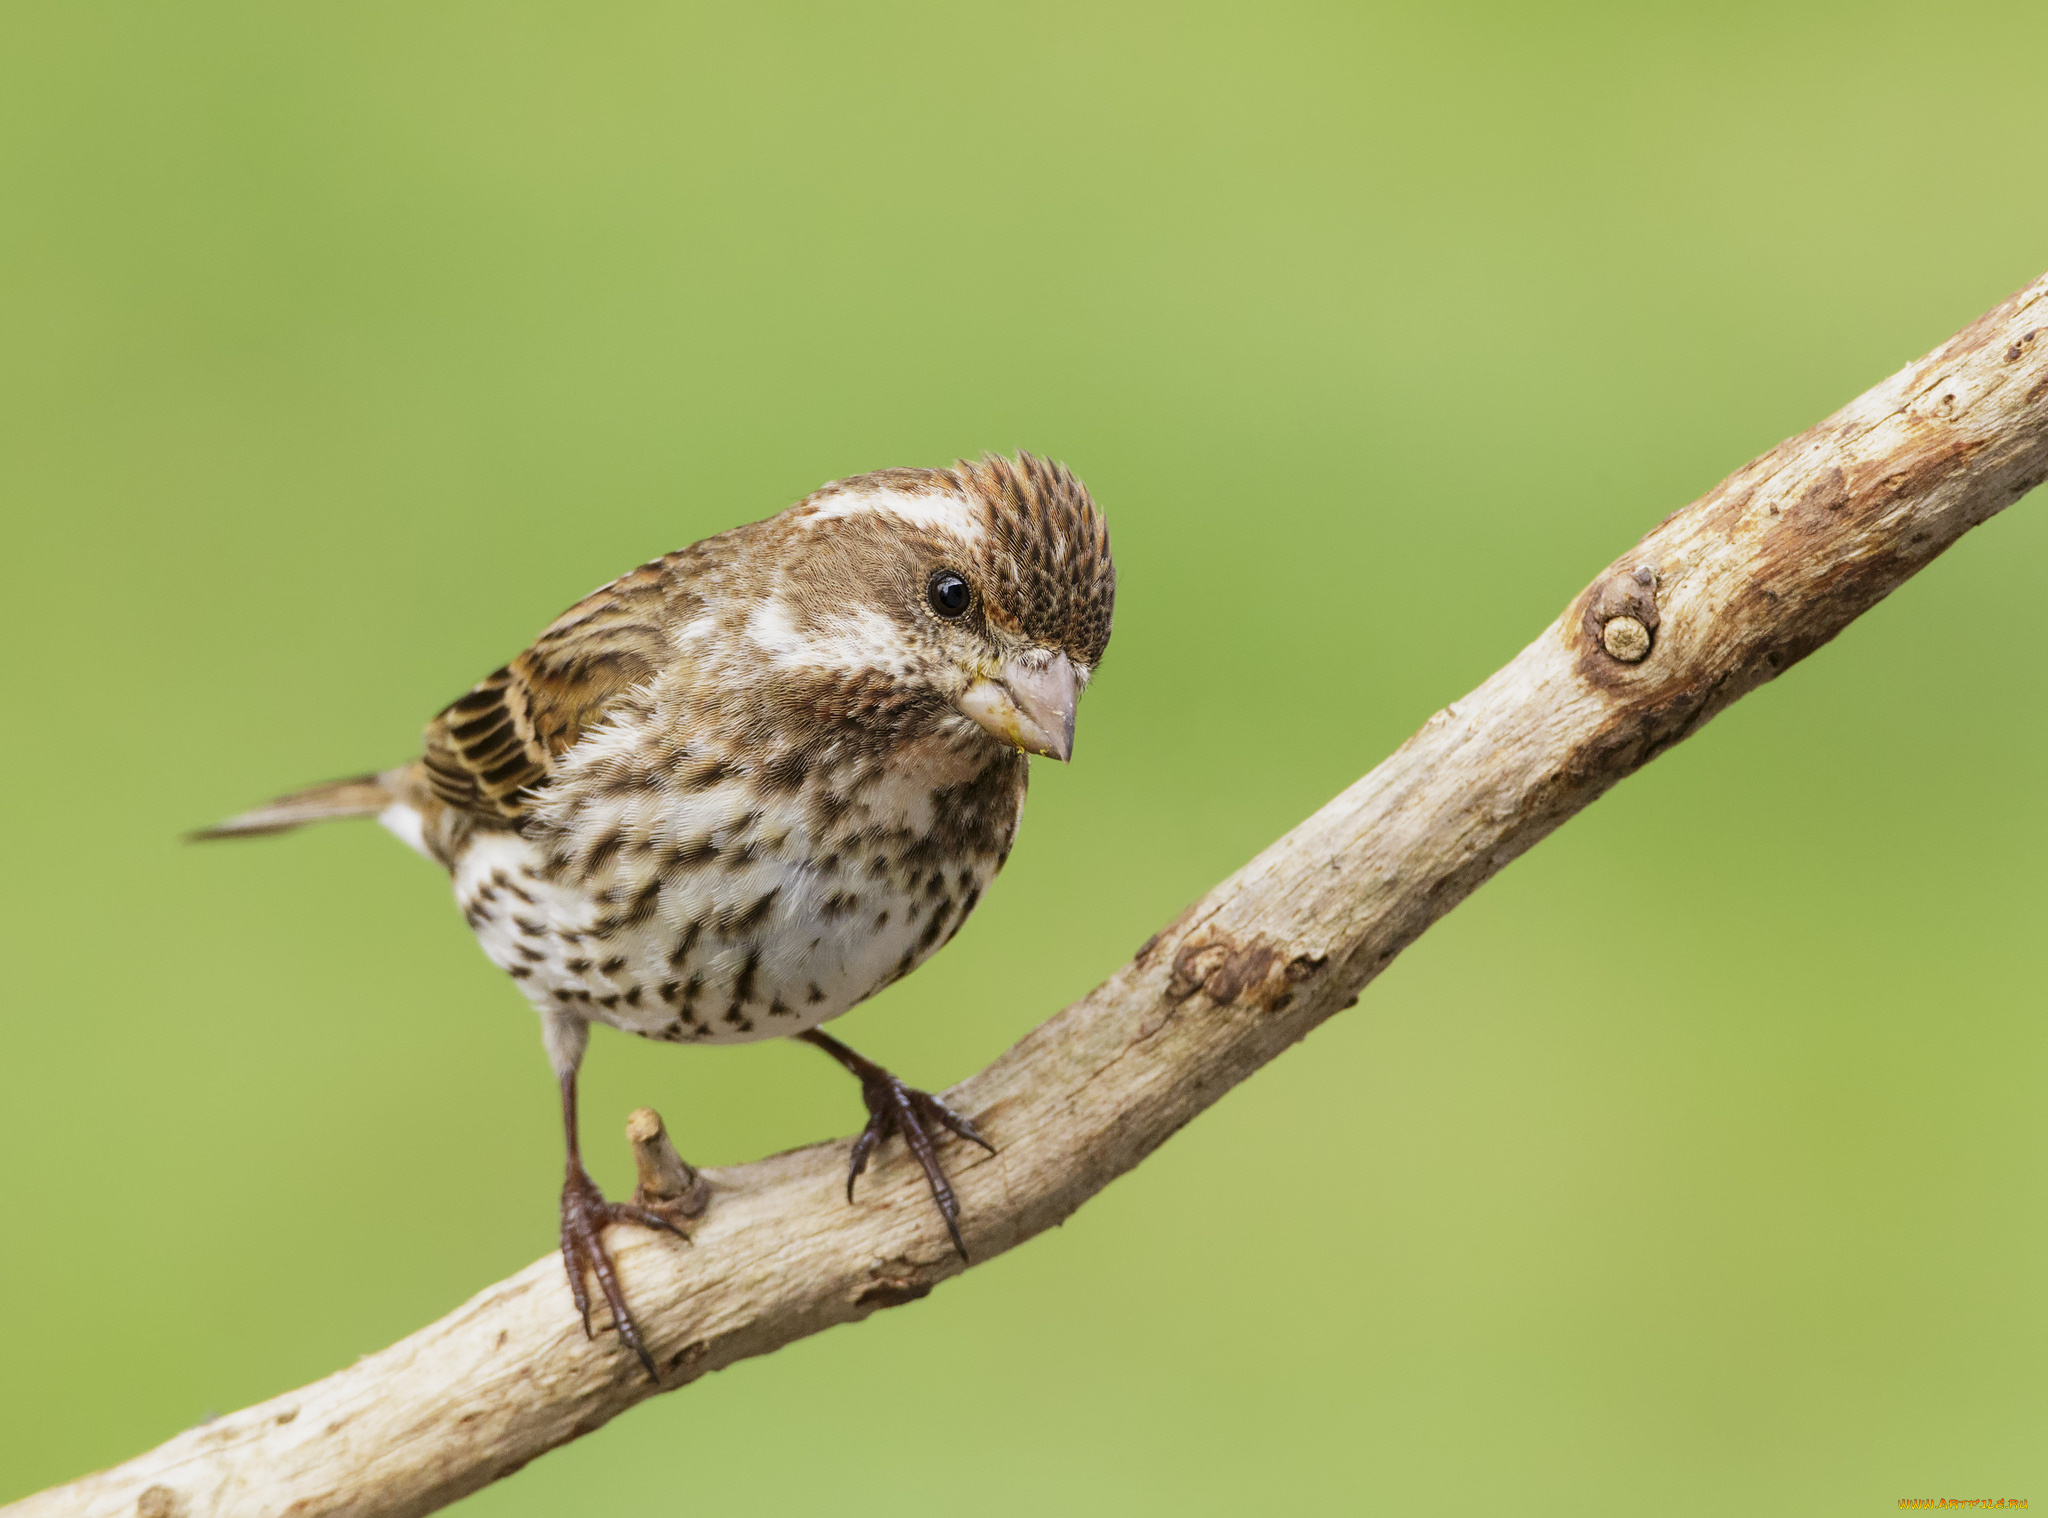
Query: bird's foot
point(919, 1116)
point(585, 1216)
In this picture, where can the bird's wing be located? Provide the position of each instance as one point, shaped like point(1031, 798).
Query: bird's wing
point(490, 752)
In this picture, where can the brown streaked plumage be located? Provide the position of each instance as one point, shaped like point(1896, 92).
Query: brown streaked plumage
point(742, 788)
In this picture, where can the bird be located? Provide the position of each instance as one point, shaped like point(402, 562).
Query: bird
point(740, 789)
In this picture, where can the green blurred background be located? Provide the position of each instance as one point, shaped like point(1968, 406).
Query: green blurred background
point(344, 346)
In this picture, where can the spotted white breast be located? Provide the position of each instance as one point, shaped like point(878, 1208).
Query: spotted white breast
point(716, 916)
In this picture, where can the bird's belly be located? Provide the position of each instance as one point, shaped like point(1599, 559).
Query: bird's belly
point(762, 949)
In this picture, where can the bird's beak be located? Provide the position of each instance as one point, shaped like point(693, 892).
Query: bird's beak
point(1030, 702)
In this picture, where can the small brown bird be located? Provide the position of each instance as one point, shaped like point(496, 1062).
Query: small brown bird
point(741, 789)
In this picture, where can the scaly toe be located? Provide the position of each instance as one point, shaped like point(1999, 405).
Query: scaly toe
point(932, 1110)
point(585, 1216)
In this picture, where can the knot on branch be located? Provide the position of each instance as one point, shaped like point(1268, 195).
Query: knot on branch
point(1621, 612)
point(1227, 971)
point(895, 1283)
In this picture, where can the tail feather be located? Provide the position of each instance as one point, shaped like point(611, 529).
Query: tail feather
point(363, 796)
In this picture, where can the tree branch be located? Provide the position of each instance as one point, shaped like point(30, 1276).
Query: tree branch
point(1719, 598)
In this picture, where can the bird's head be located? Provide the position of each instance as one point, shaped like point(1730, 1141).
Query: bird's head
point(982, 592)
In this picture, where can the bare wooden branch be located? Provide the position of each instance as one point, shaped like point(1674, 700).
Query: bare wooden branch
point(1719, 598)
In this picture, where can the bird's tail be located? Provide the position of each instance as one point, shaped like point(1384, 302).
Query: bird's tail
point(364, 796)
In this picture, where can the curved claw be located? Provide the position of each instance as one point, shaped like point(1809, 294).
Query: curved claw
point(870, 1136)
point(647, 1217)
point(896, 1108)
point(931, 1107)
point(585, 1216)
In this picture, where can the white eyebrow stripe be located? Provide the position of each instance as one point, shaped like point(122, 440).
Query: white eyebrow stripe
point(934, 509)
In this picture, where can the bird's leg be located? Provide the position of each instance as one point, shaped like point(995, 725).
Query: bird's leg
point(585, 1215)
point(896, 1108)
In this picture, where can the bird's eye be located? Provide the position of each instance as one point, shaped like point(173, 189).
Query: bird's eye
point(948, 594)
